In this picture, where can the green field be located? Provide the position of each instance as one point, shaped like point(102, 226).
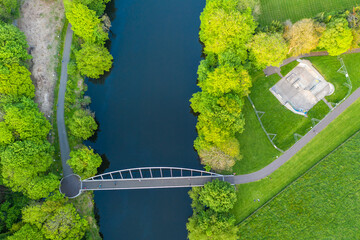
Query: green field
point(332, 136)
point(257, 151)
point(322, 204)
point(255, 148)
point(328, 67)
point(295, 10)
point(277, 118)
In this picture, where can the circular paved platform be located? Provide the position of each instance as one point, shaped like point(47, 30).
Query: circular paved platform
point(71, 186)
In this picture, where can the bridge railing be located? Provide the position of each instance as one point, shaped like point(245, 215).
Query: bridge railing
point(153, 172)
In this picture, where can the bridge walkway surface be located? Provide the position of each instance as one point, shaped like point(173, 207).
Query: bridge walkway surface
point(148, 183)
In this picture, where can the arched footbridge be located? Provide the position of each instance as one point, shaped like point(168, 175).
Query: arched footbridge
point(140, 178)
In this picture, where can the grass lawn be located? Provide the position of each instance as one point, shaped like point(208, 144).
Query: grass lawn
point(288, 67)
point(277, 118)
point(328, 67)
point(295, 10)
point(322, 204)
point(255, 148)
point(332, 136)
point(352, 64)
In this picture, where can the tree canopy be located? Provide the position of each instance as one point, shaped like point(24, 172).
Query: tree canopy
point(9, 9)
point(13, 45)
point(337, 37)
point(84, 162)
point(211, 225)
point(54, 219)
point(225, 28)
point(225, 79)
point(25, 121)
point(93, 60)
point(218, 195)
point(82, 124)
point(303, 36)
point(86, 24)
point(268, 50)
point(24, 168)
point(211, 212)
point(16, 81)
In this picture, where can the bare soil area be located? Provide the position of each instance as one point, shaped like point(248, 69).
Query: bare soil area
point(42, 21)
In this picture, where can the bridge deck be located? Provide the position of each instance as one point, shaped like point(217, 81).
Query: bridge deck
point(148, 183)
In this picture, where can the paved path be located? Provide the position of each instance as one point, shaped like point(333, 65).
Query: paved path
point(63, 140)
point(272, 70)
point(266, 171)
point(70, 184)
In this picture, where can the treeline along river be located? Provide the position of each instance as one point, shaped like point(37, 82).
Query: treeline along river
point(142, 107)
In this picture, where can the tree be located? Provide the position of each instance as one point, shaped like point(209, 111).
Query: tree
point(224, 28)
point(337, 37)
point(24, 165)
point(96, 5)
point(225, 79)
point(212, 225)
point(56, 219)
point(9, 9)
point(303, 36)
point(219, 120)
point(268, 50)
point(93, 60)
point(27, 232)
point(219, 196)
point(84, 162)
point(23, 118)
point(86, 24)
point(217, 159)
point(13, 45)
point(10, 210)
point(16, 82)
point(82, 124)
point(6, 135)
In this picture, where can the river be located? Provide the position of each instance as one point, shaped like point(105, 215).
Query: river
point(142, 107)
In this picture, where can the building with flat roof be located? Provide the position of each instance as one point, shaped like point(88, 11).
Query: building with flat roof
point(302, 88)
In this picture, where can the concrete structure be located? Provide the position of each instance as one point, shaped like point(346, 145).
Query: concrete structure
point(302, 88)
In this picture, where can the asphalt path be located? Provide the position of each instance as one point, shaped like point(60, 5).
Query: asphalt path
point(63, 140)
point(286, 156)
point(70, 184)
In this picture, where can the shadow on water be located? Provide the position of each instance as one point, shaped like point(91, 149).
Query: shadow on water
point(105, 164)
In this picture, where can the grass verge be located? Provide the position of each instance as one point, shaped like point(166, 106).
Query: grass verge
point(295, 10)
point(322, 204)
point(326, 141)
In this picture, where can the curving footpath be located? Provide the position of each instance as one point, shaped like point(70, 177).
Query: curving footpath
point(70, 184)
point(286, 156)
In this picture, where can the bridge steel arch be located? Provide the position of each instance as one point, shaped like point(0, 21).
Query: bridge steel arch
point(149, 178)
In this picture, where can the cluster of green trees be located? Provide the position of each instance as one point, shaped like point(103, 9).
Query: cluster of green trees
point(25, 153)
point(226, 32)
point(234, 44)
point(91, 26)
point(9, 10)
point(55, 218)
point(26, 157)
point(211, 217)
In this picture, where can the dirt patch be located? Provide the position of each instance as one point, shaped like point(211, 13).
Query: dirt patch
point(42, 21)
